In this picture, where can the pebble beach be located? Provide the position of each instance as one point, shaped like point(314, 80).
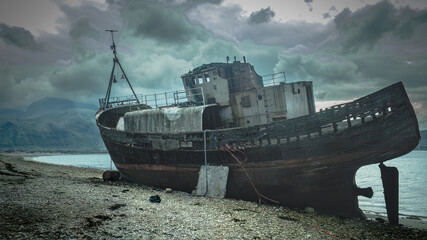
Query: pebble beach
point(44, 201)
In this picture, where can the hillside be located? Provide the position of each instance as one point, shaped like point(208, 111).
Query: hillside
point(50, 124)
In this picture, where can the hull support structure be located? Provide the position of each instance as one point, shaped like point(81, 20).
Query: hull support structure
point(390, 179)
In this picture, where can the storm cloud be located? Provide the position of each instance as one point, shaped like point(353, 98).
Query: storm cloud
point(309, 4)
point(330, 12)
point(364, 28)
point(262, 16)
point(18, 37)
point(81, 28)
point(357, 52)
point(157, 22)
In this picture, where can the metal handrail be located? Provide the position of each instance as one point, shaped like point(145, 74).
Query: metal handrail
point(174, 98)
point(157, 100)
point(268, 80)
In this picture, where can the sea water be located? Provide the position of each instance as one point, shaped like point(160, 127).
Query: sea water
point(412, 180)
point(412, 169)
point(101, 161)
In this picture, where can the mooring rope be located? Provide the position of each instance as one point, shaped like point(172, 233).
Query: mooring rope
point(230, 150)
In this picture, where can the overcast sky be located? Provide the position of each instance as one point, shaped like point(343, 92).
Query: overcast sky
point(348, 48)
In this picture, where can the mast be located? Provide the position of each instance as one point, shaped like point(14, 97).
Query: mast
point(112, 76)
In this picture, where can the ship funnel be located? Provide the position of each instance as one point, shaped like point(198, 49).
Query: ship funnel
point(235, 58)
point(244, 59)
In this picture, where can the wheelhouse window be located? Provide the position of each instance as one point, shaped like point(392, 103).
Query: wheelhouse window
point(207, 78)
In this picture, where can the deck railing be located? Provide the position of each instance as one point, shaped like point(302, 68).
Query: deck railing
point(268, 80)
point(384, 103)
point(175, 98)
point(158, 100)
point(274, 79)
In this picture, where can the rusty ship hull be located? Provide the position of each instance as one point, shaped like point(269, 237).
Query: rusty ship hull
point(308, 161)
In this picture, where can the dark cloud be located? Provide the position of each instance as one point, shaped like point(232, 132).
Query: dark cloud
point(82, 76)
point(367, 26)
point(88, 21)
point(309, 2)
point(262, 16)
point(163, 24)
point(81, 28)
point(387, 69)
point(160, 40)
point(283, 34)
point(394, 55)
point(329, 13)
point(343, 17)
point(191, 3)
point(69, 64)
point(19, 37)
point(335, 79)
point(115, 2)
point(412, 19)
point(167, 3)
point(395, 50)
point(309, 68)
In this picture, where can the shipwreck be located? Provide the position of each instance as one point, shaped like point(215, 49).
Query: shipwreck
point(265, 130)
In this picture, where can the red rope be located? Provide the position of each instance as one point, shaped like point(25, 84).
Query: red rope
point(229, 150)
point(323, 230)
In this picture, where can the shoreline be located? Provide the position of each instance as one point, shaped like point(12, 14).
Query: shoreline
point(53, 153)
point(408, 221)
point(414, 221)
point(48, 201)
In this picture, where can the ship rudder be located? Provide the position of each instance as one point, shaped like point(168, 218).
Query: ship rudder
point(390, 179)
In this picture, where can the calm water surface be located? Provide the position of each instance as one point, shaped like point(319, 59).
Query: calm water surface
point(101, 161)
point(412, 180)
point(412, 185)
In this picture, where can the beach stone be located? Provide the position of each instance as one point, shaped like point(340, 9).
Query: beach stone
point(111, 175)
point(155, 199)
point(168, 190)
point(309, 210)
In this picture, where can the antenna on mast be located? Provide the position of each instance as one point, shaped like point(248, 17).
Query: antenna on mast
point(112, 77)
point(113, 47)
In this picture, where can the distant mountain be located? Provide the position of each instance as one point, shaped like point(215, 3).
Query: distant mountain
point(50, 124)
point(8, 113)
point(49, 105)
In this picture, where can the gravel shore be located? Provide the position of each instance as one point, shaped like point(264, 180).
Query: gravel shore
point(42, 201)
